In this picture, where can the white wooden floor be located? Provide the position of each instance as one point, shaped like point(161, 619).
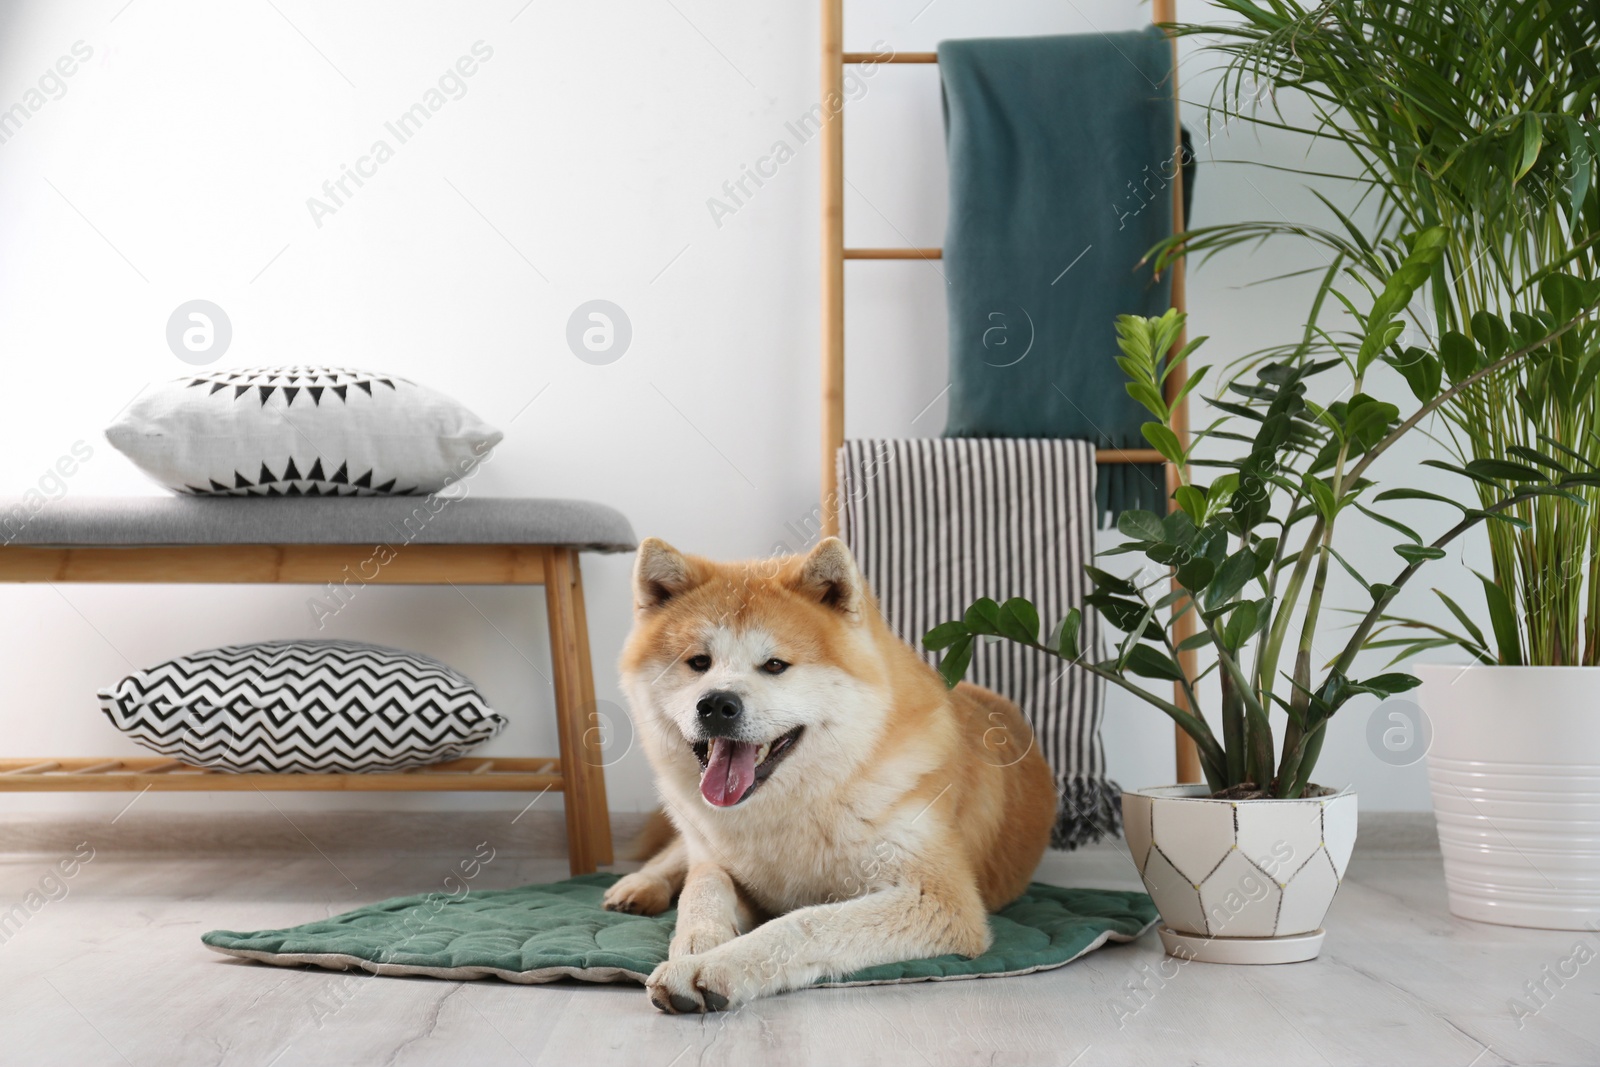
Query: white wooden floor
point(114, 973)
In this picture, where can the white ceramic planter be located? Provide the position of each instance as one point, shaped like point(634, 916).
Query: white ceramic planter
point(1515, 771)
point(1239, 881)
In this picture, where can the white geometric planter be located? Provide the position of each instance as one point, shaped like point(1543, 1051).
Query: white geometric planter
point(1515, 772)
point(1239, 881)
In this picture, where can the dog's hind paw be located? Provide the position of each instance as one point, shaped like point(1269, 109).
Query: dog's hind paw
point(639, 894)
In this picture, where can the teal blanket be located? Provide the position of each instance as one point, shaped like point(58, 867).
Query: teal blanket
point(539, 933)
point(1061, 171)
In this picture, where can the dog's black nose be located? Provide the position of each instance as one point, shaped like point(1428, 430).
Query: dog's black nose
point(719, 712)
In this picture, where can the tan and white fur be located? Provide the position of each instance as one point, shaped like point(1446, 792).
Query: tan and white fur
point(888, 814)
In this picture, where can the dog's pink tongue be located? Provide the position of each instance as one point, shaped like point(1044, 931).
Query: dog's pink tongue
point(730, 772)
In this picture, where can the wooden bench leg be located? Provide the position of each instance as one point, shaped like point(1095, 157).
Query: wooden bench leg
point(596, 731)
point(588, 827)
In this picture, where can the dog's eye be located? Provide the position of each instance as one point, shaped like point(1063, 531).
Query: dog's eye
point(700, 664)
point(774, 666)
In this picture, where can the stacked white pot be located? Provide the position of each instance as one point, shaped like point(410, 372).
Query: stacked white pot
point(1515, 772)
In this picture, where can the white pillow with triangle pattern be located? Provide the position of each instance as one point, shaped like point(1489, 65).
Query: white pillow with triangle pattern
point(300, 431)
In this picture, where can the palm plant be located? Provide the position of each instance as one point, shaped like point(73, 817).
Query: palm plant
point(1479, 118)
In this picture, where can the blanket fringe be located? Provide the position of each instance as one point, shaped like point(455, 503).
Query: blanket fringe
point(1089, 809)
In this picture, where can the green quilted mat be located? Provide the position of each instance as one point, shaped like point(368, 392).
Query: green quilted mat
point(539, 933)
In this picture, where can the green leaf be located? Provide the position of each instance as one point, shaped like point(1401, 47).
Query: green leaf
point(1535, 456)
point(1231, 577)
point(1165, 553)
point(1194, 379)
point(1491, 332)
point(1191, 500)
point(1580, 159)
point(1070, 628)
point(1321, 495)
point(1459, 354)
point(1163, 440)
point(1422, 371)
point(1150, 397)
point(983, 617)
point(1196, 573)
point(1360, 579)
point(1140, 630)
point(1504, 623)
point(1178, 529)
point(957, 658)
point(1110, 582)
point(1439, 464)
point(1409, 648)
point(1418, 553)
point(1393, 524)
point(1532, 141)
point(1019, 620)
point(1417, 494)
point(1500, 516)
point(1220, 493)
point(1194, 641)
point(944, 635)
point(1146, 662)
point(1463, 619)
point(1368, 420)
point(1120, 612)
point(1241, 624)
point(1390, 684)
point(1141, 525)
point(1505, 470)
point(1382, 325)
point(1563, 295)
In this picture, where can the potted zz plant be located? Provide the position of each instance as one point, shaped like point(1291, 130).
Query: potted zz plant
point(1244, 867)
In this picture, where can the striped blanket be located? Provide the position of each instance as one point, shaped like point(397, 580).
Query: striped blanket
point(937, 523)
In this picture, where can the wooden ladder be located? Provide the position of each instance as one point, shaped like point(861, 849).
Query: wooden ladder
point(834, 255)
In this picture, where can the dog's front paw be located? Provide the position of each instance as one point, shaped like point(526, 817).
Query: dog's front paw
point(639, 894)
point(698, 984)
point(692, 939)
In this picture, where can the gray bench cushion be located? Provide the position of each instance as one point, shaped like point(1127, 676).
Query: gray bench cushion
point(126, 521)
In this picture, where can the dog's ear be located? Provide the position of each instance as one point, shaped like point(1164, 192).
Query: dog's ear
point(660, 572)
point(830, 575)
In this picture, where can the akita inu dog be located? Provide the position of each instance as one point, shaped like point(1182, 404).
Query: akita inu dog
point(836, 806)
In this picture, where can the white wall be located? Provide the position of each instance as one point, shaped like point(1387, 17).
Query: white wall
point(578, 165)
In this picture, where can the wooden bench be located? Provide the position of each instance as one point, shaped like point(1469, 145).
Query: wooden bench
point(432, 541)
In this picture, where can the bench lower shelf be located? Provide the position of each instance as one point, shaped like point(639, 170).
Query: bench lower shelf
point(88, 774)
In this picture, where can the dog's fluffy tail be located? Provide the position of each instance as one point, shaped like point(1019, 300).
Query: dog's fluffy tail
point(653, 838)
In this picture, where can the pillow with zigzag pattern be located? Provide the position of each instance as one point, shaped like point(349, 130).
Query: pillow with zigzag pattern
point(300, 431)
point(303, 707)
